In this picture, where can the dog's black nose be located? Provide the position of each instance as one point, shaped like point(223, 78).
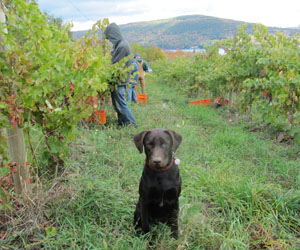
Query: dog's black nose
point(157, 161)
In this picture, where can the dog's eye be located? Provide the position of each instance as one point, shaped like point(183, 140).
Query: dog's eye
point(150, 144)
point(162, 143)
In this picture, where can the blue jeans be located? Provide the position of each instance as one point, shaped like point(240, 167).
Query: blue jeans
point(125, 116)
point(131, 95)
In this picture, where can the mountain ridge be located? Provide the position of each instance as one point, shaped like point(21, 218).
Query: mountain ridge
point(184, 32)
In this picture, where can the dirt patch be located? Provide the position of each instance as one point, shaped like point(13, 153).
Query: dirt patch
point(262, 238)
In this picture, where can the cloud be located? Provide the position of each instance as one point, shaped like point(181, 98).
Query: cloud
point(82, 25)
point(271, 13)
point(86, 10)
point(84, 13)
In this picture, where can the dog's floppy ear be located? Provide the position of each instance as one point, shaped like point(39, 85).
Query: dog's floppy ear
point(176, 138)
point(139, 139)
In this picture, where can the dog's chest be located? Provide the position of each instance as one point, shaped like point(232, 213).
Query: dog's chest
point(162, 190)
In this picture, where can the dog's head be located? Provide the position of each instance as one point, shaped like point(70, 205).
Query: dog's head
point(159, 144)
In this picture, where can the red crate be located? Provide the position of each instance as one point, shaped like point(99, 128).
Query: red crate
point(202, 102)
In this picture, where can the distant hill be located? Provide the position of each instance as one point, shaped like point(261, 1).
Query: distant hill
point(184, 31)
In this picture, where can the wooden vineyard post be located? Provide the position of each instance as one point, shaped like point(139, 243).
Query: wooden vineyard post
point(230, 98)
point(17, 151)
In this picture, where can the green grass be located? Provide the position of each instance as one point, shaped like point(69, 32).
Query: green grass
point(238, 190)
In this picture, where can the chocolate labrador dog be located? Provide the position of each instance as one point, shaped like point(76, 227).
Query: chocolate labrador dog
point(160, 184)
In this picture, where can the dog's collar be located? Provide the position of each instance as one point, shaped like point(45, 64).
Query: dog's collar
point(161, 169)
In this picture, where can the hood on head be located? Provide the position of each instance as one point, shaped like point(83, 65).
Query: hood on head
point(113, 33)
point(137, 54)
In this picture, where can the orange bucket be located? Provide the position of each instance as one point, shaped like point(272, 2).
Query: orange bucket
point(202, 102)
point(98, 116)
point(142, 98)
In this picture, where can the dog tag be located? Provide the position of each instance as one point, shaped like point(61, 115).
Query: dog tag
point(177, 161)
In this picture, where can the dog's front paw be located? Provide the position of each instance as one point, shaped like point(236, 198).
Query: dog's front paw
point(146, 229)
point(174, 234)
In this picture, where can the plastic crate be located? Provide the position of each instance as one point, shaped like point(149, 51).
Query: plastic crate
point(202, 102)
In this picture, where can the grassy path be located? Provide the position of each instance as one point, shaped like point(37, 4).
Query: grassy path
point(239, 191)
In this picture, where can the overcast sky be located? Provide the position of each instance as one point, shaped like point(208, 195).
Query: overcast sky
point(84, 13)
